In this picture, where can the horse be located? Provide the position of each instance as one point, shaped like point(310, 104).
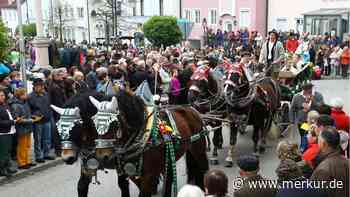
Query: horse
point(134, 155)
point(205, 94)
point(259, 100)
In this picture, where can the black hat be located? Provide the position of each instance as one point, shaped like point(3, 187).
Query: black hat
point(38, 81)
point(307, 86)
point(331, 136)
point(248, 163)
point(274, 32)
point(325, 120)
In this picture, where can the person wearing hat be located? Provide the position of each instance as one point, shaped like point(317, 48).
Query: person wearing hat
point(272, 54)
point(333, 166)
point(303, 102)
point(249, 172)
point(342, 120)
point(40, 106)
point(289, 172)
point(292, 43)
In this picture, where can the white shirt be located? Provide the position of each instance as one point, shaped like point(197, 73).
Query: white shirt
point(270, 50)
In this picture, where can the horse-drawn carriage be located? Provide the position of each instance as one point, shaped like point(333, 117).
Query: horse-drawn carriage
point(291, 81)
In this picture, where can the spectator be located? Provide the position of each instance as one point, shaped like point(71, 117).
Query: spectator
point(249, 171)
point(341, 119)
point(335, 60)
point(302, 103)
point(215, 183)
point(5, 85)
point(333, 166)
point(80, 85)
point(57, 93)
point(7, 129)
point(322, 122)
point(174, 87)
point(15, 82)
point(292, 43)
point(345, 62)
point(91, 77)
point(190, 191)
point(40, 106)
point(272, 54)
point(289, 172)
point(313, 149)
point(21, 110)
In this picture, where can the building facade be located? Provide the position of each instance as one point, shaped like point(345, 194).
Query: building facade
point(227, 15)
point(288, 15)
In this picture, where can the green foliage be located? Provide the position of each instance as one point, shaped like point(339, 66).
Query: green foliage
point(28, 30)
point(162, 30)
point(4, 41)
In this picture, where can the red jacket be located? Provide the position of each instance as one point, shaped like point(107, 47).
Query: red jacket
point(310, 154)
point(342, 120)
point(292, 45)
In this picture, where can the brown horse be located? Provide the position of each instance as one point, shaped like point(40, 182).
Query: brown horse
point(138, 157)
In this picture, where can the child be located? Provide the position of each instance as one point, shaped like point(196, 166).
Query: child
point(174, 87)
point(15, 80)
point(20, 109)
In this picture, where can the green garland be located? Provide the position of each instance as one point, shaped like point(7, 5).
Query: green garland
point(171, 162)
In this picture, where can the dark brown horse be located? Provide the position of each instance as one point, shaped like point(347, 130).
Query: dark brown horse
point(259, 100)
point(143, 161)
point(206, 95)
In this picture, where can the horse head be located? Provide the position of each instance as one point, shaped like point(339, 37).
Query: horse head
point(69, 120)
point(235, 83)
point(203, 87)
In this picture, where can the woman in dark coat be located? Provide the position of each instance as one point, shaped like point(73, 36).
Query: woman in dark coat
point(7, 129)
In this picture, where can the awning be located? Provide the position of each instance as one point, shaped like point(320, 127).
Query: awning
point(185, 27)
point(328, 12)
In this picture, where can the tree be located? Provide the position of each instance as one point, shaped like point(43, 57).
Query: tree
point(162, 30)
point(28, 30)
point(4, 41)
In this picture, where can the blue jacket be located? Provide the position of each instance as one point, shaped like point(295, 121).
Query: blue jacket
point(21, 109)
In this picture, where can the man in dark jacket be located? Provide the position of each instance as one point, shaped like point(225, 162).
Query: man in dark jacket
point(333, 166)
point(249, 171)
point(292, 182)
point(40, 106)
point(58, 96)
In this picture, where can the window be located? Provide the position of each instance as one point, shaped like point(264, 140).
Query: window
point(197, 16)
point(188, 14)
point(71, 12)
point(65, 11)
point(80, 12)
point(282, 24)
point(244, 17)
point(213, 16)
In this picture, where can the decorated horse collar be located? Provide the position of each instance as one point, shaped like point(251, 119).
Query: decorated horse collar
point(67, 122)
point(201, 73)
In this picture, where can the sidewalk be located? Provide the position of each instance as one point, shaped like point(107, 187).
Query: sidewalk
point(24, 173)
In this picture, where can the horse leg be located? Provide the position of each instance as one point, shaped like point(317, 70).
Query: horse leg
point(123, 183)
point(233, 141)
point(146, 185)
point(197, 164)
point(83, 185)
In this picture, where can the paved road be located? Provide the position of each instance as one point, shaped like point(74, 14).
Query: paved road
point(61, 180)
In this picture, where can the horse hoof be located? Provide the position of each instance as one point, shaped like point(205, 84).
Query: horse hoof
point(214, 161)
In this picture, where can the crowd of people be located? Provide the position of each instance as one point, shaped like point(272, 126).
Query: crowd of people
point(28, 133)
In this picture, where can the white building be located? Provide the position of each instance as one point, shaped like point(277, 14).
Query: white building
point(289, 14)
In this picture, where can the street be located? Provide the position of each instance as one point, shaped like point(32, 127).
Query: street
point(61, 181)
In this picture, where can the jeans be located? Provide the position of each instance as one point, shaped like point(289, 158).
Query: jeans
point(42, 140)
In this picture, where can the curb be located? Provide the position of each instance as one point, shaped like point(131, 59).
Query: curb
point(25, 173)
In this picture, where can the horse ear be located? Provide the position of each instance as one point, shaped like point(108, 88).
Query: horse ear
point(95, 102)
point(114, 101)
point(59, 110)
point(77, 111)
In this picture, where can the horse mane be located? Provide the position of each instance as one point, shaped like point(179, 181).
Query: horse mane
point(213, 83)
point(133, 109)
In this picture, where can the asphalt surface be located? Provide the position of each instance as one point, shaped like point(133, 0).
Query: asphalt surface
point(60, 181)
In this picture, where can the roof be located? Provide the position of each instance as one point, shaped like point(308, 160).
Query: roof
point(328, 11)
